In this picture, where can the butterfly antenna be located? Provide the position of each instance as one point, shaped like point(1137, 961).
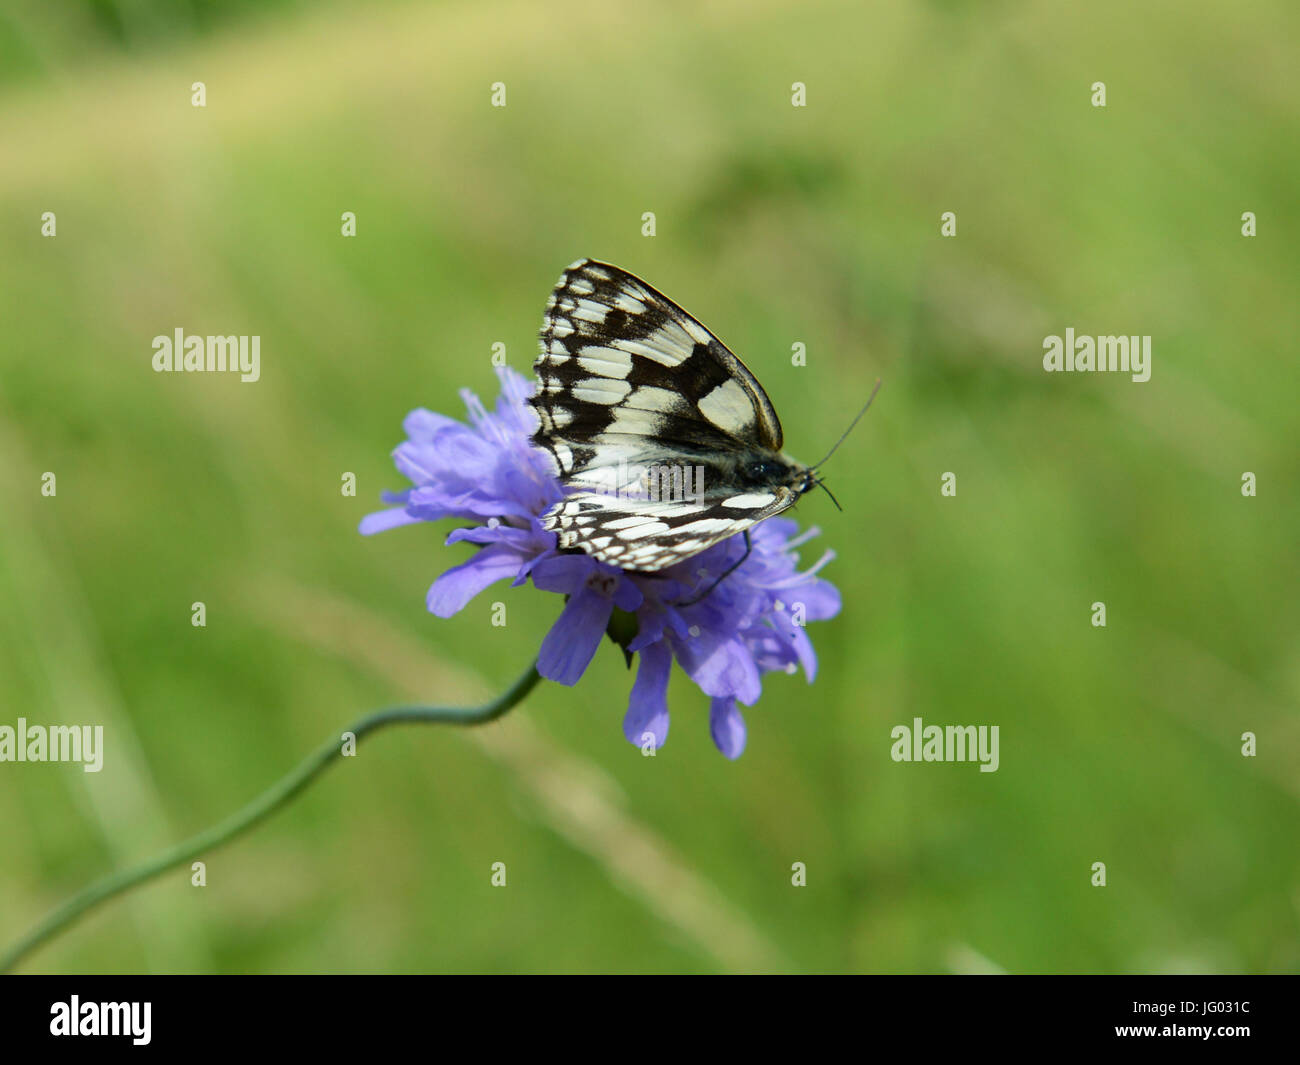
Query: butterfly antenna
point(849, 429)
point(822, 486)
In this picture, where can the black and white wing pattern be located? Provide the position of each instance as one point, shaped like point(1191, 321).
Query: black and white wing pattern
point(664, 441)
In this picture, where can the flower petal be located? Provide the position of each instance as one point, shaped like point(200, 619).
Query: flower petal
point(721, 665)
point(421, 424)
point(647, 708)
point(627, 596)
point(807, 656)
point(459, 585)
point(568, 648)
point(820, 600)
point(496, 532)
point(727, 727)
point(564, 573)
point(383, 520)
point(650, 628)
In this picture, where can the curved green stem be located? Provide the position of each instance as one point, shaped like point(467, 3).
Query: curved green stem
point(259, 809)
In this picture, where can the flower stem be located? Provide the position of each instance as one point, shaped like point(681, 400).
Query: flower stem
point(259, 809)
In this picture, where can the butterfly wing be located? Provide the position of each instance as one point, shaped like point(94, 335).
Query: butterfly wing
point(647, 535)
point(630, 383)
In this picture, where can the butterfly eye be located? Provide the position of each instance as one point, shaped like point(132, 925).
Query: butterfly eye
point(758, 470)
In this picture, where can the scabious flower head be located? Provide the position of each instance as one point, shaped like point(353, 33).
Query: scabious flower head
point(489, 474)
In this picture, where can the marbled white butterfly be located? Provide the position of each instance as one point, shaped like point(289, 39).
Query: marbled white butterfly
point(664, 442)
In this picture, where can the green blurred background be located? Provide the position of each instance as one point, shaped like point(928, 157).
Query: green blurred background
point(775, 225)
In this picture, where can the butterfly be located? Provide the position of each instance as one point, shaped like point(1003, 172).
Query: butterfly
point(663, 441)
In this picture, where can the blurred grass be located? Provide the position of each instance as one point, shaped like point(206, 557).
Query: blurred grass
point(774, 225)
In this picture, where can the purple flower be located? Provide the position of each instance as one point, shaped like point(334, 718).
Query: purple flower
point(488, 473)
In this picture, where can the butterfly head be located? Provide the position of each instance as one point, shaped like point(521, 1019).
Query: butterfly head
point(776, 471)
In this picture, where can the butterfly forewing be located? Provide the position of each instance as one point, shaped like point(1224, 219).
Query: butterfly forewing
point(630, 386)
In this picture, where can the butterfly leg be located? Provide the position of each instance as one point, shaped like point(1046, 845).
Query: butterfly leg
point(749, 546)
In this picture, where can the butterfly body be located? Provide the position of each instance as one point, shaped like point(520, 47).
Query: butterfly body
point(663, 440)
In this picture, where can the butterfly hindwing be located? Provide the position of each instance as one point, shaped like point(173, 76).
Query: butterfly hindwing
point(630, 384)
point(637, 534)
point(644, 535)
